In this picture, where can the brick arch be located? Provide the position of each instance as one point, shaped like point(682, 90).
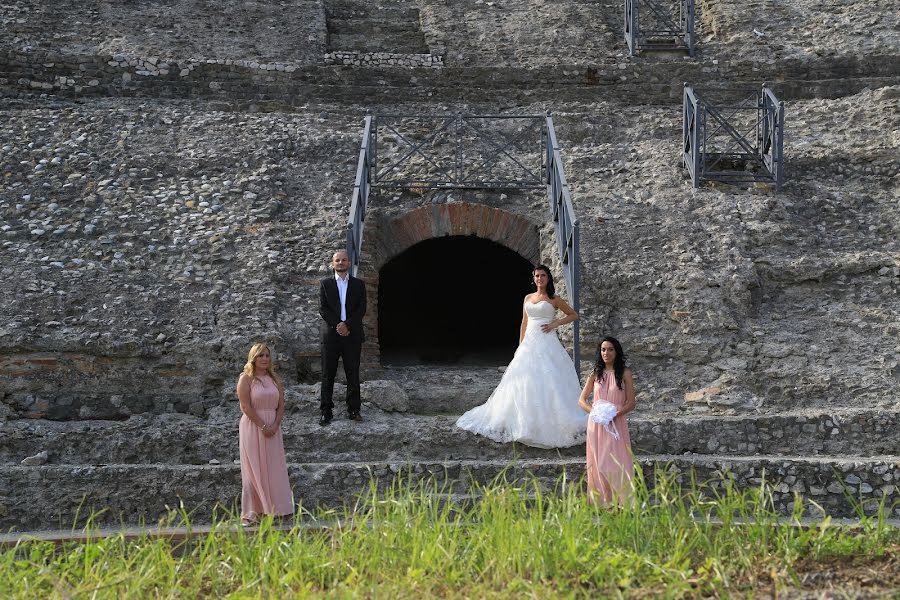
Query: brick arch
point(463, 218)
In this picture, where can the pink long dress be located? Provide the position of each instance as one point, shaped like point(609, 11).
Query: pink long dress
point(265, 489)
point(610, 464)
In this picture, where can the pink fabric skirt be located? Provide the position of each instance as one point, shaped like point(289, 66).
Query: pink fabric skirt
point(610, 464)
point(265, 489)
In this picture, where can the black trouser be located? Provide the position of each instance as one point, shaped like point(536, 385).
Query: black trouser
point(348, 349)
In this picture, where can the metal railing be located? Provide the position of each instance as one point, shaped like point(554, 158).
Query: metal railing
point(655, 25)
point(457, 151)
point(360, 201)
point(738, 141)
point(566, 224)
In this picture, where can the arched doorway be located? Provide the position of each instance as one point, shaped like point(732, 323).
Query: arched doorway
point(452, 300)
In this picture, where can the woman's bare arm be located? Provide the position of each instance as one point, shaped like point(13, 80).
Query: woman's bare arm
point(243, 393)
point(587, 392)
point(279, 412)
point(524, 321)
point(569, 312)
point(630, 399)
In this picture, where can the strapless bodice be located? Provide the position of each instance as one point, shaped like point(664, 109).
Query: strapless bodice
point(541, 311)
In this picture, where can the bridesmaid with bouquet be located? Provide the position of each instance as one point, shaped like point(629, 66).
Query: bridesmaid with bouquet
point(610, 463)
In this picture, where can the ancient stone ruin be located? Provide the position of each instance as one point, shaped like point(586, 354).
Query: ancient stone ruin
point(175, 175)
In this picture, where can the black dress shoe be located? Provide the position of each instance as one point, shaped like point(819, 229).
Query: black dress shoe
point(325, 420)
point(355, 417)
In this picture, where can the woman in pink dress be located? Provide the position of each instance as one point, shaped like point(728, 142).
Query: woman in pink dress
point(265, 489)
point(610, 464)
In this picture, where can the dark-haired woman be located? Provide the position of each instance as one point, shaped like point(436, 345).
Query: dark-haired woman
point(534, 404)
point(610, 464)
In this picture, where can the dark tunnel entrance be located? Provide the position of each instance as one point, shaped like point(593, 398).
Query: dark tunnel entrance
point(453, 300)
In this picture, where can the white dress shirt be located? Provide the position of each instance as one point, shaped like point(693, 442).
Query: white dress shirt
point(342, 283)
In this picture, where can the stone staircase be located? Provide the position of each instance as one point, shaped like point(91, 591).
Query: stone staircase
point(140, 468)
point(390, 26)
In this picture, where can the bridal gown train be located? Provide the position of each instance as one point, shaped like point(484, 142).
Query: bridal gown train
point(536, 402)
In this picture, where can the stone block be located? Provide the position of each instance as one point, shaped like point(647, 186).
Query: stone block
point(386, 395)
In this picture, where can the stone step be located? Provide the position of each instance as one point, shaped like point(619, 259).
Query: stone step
point(182, 439)
point(389, 25)
point(60, 496)
point(365, 7)
point(392, 27)
point(363, 14)
point(448, 390)
point(832, 432)
point(394, 40)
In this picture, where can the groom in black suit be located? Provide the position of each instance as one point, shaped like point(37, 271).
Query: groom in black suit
point(342, 304)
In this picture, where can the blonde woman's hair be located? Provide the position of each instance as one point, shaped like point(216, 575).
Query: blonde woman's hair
point(250, 368)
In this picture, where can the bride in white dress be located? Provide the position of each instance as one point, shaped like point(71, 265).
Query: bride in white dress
point(536, 402)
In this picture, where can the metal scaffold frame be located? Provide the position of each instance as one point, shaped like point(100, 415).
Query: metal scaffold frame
point(759, 148)
point(453, 166)
point(663, 28)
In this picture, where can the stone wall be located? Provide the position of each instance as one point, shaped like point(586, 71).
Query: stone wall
point(146, 493)
point(192, 232)
point(292, 83)
point(804, 29)
point(259, 51)
point(531, 33)
point(384, 59)
point(83, 386)
point(756, 286)
point(864, 433)
point(258, 31)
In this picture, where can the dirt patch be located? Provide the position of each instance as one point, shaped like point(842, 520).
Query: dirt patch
point(840, 577)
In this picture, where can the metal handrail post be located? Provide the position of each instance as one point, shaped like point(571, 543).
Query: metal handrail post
point(373, 147)
point(685, 126)
point(545, 157)
point(779, 148)
point(635, 24)
point(629, 26)
point(576, 301)
point(699, 139)
point(359, 203)
point(563, 214)
point(689, 26)
point(775, 121)
point(690, 131)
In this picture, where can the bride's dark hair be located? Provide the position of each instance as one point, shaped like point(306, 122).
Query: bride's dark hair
point(618, 363)
point(551, 291)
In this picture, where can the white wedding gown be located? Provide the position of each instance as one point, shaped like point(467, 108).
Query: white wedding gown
point(536, 402)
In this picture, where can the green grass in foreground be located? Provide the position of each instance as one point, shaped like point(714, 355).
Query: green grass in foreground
point(409, 542)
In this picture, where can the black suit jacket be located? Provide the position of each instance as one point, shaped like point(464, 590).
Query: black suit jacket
point(330, 307)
